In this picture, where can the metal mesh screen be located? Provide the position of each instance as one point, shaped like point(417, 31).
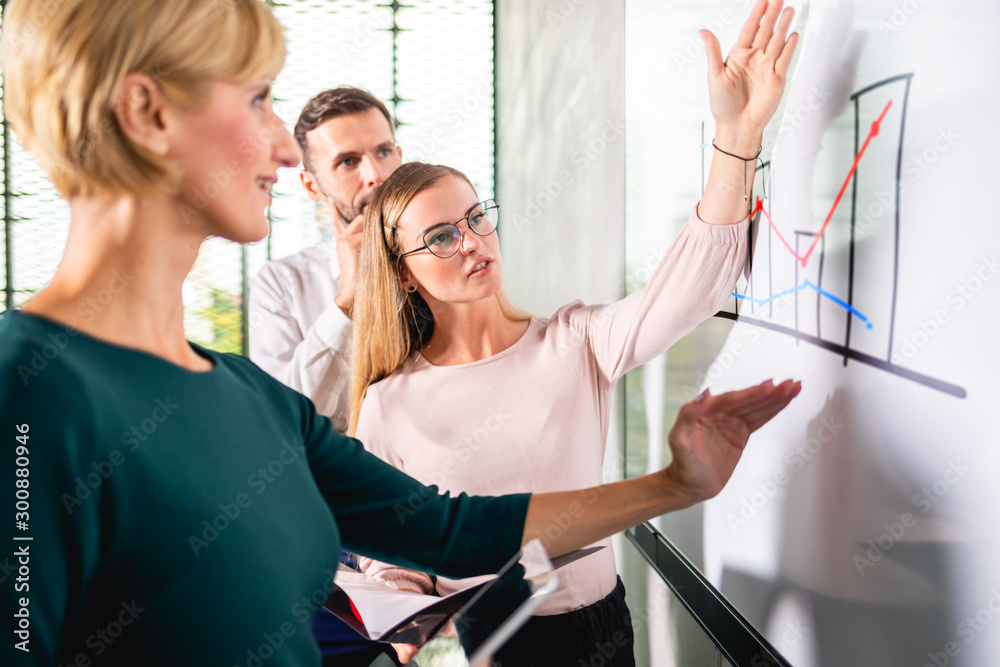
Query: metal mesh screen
point(431, 61)
point(5, 281)
point(445, 65)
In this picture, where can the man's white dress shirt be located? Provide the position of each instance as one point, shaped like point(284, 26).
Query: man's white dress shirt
point(298, 334)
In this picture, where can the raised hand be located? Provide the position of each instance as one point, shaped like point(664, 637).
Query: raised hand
point(744, 90)
point(710, 433)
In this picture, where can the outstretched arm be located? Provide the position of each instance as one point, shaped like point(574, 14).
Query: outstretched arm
point(744, 91)
point(698, 272)
point(706, 441)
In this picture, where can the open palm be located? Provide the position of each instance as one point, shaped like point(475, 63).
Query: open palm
point(744, 90)
point(711, 432)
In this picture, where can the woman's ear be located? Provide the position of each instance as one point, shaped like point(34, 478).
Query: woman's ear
point(405, 280)
point(140, 110)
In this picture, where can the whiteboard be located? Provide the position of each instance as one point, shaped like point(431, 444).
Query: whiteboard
point(861, 527)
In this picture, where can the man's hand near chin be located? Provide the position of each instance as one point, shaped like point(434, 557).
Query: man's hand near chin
point(348, 235)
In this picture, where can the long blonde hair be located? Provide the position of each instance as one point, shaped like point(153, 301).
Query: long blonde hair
point(389, 322)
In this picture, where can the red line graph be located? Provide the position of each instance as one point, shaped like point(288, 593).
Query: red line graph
point(804, 259)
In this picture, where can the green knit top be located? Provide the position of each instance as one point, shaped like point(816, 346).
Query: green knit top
point(155, 515)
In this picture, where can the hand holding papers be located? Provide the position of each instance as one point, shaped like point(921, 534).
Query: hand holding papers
point(381, 613)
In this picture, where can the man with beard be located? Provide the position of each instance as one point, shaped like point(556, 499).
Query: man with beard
point(300, 306)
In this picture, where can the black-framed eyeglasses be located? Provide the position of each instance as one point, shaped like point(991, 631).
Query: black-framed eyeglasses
point(445, 239)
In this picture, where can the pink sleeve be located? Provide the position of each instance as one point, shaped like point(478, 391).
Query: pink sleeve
point(693, 281)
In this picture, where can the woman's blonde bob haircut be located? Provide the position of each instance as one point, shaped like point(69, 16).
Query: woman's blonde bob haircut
point(390, 323)
point(64, 62)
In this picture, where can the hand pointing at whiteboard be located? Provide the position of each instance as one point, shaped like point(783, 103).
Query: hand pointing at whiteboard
point(744, 91)
point(706, 443)
point(711, 432)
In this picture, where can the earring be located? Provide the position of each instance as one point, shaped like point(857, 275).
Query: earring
point(411, 289)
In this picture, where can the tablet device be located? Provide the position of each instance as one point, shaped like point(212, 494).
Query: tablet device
point(499, 610)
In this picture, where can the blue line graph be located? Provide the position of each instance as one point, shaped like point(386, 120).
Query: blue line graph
point(836, 299)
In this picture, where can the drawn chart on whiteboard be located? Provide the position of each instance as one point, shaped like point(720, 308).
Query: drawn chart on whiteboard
point(833, 282)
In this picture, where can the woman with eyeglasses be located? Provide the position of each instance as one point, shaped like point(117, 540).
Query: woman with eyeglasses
point(459, 389)
point(167, 504)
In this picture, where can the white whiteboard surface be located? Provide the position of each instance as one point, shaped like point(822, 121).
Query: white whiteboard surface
point(862, 526)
